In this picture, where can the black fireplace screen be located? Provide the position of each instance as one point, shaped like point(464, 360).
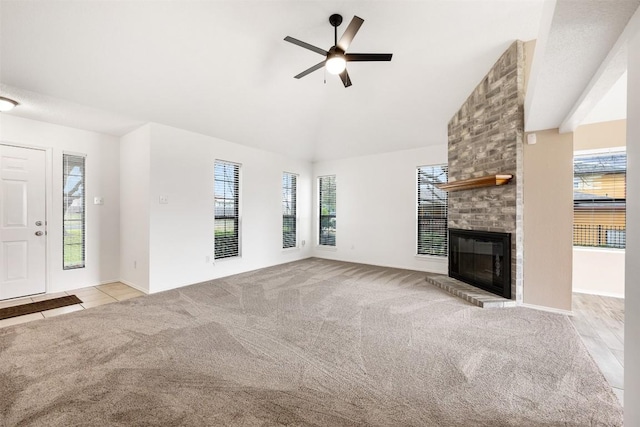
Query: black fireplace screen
point(482, 259)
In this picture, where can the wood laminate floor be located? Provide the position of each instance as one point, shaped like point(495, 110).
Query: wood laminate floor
point(600, 323)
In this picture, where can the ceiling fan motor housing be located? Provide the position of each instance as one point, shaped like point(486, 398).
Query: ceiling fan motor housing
point(335, 20)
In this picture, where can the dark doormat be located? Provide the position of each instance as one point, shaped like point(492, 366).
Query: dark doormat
point(35, 307)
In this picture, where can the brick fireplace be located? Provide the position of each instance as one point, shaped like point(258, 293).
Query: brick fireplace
point(486, 138)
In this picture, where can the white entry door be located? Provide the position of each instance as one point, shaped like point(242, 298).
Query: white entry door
point(22, 222)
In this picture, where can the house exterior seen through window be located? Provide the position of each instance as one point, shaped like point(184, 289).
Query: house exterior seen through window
point(226, 209)
point(599, 200)
point(73, 211)
point(327, 210)
point(432, 211)
point(289, 207)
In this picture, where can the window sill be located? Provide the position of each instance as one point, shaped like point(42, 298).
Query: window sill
point(293, 249)
point(442, 259)
point(596, 249)
point(229, 258)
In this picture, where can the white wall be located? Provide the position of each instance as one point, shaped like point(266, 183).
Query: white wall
point(376, 214)
point(181, 232)
point(135, 162)
point(598, 271)
point(632, 291)
point(102, 179)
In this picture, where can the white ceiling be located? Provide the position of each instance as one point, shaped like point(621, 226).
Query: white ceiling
point(613, 106)
point(221, 68)
point(581, 36)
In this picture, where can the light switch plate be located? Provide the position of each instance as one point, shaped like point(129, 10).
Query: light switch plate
point(164, 200)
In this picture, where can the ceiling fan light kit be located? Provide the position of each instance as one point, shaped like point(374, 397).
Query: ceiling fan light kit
point(336, 64)
point(7, 104)
point(336, 57)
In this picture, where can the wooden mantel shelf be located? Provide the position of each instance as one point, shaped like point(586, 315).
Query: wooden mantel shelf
point(485, 181)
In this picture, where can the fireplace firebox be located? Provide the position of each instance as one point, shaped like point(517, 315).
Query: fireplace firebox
point(482, 259)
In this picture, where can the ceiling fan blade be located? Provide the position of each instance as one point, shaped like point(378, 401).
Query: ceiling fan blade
point(368, 57)
point(306, 45)
point(350, 33)
point(310, 70)
point(344, 76)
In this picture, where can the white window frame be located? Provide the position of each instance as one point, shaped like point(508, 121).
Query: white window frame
point(296, 217)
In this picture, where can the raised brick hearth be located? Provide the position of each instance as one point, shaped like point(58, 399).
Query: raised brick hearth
point(471, 294)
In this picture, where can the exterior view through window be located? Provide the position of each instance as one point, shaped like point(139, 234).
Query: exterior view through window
point(432, 211)
point(599, 200)
point(73, 205)
point(327, 208)
point(226, 209)
point(289, 218)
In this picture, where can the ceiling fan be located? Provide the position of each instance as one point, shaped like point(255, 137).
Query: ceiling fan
point(336, 57)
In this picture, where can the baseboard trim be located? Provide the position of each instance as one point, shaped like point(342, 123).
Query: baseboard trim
point(134, 286)
point(602, 294)
point(548, 309)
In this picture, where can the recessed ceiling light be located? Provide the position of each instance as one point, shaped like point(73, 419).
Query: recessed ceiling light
point(7, 104)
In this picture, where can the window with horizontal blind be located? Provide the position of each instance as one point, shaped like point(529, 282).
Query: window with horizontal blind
point(289, 217)
point(73, 211)
point(432, 211)
point(599, 199)
point(226, 209)
point(327, 210)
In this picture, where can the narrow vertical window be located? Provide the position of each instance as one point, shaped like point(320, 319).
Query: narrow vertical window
point(432, 211)
point(600, 200)
point(289, 217)
point(73, 205)
point(226, 209)
point(327, 210)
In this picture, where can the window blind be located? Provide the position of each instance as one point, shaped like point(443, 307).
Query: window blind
point(289, 206)
point(599, 199)
point(226, 209)
point(432, 211)
point(327, 210)
point(73, 211)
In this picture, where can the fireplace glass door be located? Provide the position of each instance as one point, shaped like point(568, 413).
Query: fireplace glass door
point(482, 259)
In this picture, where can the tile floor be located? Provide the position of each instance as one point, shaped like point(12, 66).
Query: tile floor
point(91, 297)
point(600, 323)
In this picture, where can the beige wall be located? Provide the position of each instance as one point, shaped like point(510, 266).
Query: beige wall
point(548, 219)
point(600, 135)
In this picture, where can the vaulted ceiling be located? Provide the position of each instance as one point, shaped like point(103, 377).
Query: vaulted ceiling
point(221, 68)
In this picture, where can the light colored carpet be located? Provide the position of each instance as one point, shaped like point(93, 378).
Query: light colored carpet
point(313, 342)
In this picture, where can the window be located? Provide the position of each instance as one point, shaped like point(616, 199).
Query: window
point(432, 211)
point(73, 212)
point(327, 210)
point(226, 209)
point(289, 218)
point(599, 199)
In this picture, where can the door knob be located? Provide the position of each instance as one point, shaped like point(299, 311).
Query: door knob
point(38, 223)
point(39, 233)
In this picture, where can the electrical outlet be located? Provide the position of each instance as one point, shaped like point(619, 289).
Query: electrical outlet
point(98, 200)
point(135, 264)
point(164, 200)
point(303, 242)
